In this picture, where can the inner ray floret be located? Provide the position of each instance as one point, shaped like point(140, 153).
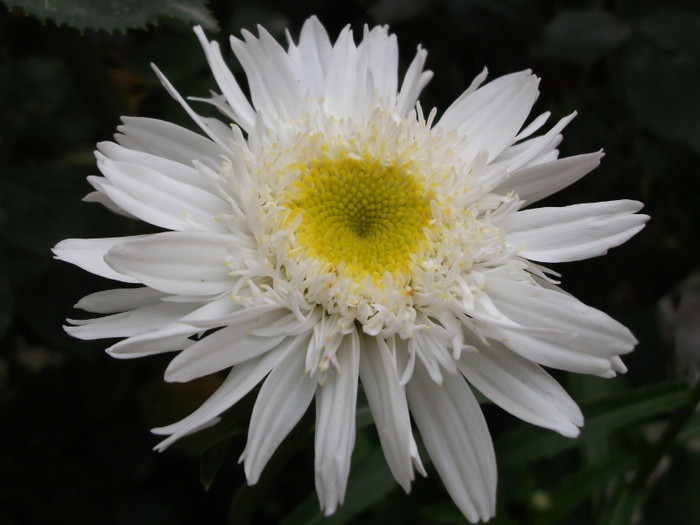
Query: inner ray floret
point(358, 216)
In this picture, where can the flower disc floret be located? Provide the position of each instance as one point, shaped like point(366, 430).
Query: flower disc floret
point(358, 216)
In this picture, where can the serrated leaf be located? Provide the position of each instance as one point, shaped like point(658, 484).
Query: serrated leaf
point(116, 15)
point(527, 444)
point(209, 462)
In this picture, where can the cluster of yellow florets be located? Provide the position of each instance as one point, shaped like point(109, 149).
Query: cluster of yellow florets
point(361, 217)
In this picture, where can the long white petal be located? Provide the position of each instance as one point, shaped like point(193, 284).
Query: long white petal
point(282, 401)
point(456, 437)
point(387, 402)
point(275, 82)
point(336, 401)
point(89, 254)
point(227, 347)
point(125, 324)
point(159, 199)
point(311, 56)
point(240, 380)
point(491, 116)
point(341, 80)
point(573, 232)
point(242, 110)
point(173, 337)
point(554, 354)
point(186, 263)
point(568, 320)
point(119, 300)
point(522, 388)
point(179, 171)
point(542, 180)
point(169, 141)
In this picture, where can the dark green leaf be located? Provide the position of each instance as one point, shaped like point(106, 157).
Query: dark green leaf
point(370, 481)
point(210, 461)
point(662, 92)
point(116, 15)
point(582, 34)
point(576, 488)
point(527, 444)
point(6, 300)
point(675, 30)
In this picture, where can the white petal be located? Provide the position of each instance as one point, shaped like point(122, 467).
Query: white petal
point(159, 199)
point(456, 437)
point(380, 51)
point(243, 112)
point(125, 324)
point(218, 133)
point(414, 81)
point(569, 321)
point(342, 77)
point(89, 254)
point(173, 337)
point(491, 116)
point(227, 347)
point(282, 401)
point(179, 171)
point(336, 401)
point(554, 354)
point(387, 402)
point(522, 388)
point(119, 300)
point(101, 198)
point(168, 140)
point(275, 83)
point(573, 232)
point(312, 55)
point(240, 380)
point(542, 180)
point(532, 151)
point(187, 263)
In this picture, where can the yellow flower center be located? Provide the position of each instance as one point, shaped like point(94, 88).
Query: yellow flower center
point(359, 217)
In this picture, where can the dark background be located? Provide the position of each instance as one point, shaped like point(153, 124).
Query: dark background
point(74, 441)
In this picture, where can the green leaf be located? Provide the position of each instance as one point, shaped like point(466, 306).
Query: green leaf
point(116, 15)
point(675, 30)
point(661, 91)
point(6, 299)
point(209, 462)
point(527, 444)
point(370, 481)
point(576, 488)
point(582, 35)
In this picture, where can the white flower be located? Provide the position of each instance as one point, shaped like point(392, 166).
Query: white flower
point(328, 233)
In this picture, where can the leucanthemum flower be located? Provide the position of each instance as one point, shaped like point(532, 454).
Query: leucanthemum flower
point(326, 233)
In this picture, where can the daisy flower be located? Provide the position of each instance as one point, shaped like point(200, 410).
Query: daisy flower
point(325, 234)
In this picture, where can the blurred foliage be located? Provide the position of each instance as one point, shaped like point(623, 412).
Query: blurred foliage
point(115, 15)
point(74, 440)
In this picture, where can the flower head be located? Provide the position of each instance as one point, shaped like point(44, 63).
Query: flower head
point(327, 234)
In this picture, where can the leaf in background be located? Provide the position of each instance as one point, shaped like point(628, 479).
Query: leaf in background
point(576, 488)
point(370, 481)
point(676, 30)
point(662, 93)
point(582, 35)
point(209, 462)
point(6, 300)
point(527, 444)
point(116, 15)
